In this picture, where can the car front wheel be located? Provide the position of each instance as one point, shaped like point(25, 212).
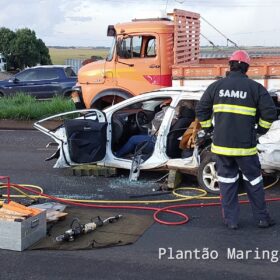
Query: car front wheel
point(207, 174)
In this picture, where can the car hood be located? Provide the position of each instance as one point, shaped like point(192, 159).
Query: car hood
point(5, 82)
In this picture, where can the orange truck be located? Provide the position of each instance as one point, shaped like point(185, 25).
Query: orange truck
point(148, 54)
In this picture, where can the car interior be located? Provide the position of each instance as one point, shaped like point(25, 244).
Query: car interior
point(86, 136)
point(137, 119)
point(185, 115)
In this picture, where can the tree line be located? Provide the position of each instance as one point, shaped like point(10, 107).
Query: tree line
point(22, 48)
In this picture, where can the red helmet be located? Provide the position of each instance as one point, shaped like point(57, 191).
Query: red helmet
point(240, 56)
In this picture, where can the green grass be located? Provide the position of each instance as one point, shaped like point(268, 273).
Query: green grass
point(26, 107)
point(59, 55)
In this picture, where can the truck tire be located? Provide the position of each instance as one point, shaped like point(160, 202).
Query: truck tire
point(100, 104)
point(207, 174)
point(109, 97)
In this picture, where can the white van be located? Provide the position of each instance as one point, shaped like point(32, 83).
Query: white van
point(3, 63)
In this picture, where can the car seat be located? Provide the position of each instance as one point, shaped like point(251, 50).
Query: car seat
point(185, 118)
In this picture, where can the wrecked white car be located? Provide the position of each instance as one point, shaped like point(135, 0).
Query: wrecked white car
point(141, 133)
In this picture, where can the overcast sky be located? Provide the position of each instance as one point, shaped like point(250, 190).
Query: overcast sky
point(84, 22)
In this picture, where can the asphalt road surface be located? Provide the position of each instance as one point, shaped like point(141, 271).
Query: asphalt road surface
point(22, 156)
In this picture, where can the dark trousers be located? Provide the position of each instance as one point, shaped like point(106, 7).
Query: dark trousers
point(229, 168)
point(134, 141)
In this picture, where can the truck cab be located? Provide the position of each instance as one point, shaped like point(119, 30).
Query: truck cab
point(140, 60)
point(149, 54)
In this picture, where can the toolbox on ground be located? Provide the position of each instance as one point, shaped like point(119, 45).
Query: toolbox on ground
point(20, 235)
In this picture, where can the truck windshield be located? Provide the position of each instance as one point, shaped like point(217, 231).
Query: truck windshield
point(111, 52)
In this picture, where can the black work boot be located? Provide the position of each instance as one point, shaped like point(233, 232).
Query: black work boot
point(266, 223)
point(231, 225)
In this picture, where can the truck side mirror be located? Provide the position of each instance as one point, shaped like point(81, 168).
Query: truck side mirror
point(111, 31)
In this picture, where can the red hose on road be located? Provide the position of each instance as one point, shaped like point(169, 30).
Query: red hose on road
point(146, 208)
point(157, 211)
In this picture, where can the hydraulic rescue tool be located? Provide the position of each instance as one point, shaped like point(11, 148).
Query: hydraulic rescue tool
point(78, 229)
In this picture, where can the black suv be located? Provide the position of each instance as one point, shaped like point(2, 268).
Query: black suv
point(42, 82)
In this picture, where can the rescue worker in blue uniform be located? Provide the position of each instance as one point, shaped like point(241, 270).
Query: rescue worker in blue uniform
point(236, 103)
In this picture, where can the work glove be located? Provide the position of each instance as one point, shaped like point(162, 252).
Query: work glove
point(189, 137)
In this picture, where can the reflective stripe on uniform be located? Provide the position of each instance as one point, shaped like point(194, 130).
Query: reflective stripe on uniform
point(264, 124)
point(255, 181)
point(228, 180)
point(234, 109)
point(233, 151)
point(206, 124)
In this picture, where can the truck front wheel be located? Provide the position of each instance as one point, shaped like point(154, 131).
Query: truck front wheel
point(108, 98)
point(101, 104)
